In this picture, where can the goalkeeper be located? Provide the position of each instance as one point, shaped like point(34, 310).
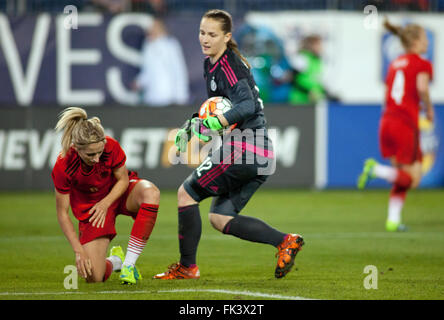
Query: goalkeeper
point(233, 173)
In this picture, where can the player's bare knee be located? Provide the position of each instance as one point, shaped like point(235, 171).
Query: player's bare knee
point(416, 178)
point(215, 223)
point(415, 182)
point(151, 194)
point(415, 172)
point(94, 278)
point(219, 221)
point(180, 194)
point(183, 198)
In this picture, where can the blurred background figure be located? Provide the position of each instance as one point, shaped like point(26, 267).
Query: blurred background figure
point(156, 7)
point(407, 93)
point(163, 77)
point(408, 5)
point(112, 6)
point(269, 65)
point(307, 84)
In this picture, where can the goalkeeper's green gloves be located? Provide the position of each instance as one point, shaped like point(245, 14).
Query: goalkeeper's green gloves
point(213, 123)
point(205, 128)
point(202, 128)
point(183, 135)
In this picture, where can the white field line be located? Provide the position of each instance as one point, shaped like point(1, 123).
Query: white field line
point(328, 235)
point(221, 291)
point(245, 293)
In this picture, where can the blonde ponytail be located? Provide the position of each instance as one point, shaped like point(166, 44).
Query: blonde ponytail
point(77, 129)
point(407, 34)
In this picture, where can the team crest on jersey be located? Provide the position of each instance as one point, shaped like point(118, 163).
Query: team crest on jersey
point(104, 174)
point(213, 84)
point(102, 171)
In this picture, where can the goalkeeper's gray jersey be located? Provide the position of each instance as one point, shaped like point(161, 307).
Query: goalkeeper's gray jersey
point(230, 77)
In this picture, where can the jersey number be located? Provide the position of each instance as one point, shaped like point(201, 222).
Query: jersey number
point(397, 92)
point(206, 165)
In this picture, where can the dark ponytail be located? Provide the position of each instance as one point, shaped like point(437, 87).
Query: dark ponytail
point(233, 46)
point(227, 26)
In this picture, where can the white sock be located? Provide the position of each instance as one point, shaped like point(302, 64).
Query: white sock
point(394, 209)
point(135, 248)
point(116, 262)
point(385, 172)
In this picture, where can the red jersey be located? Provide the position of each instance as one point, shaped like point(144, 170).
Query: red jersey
point(402, 98)
point(87, 188)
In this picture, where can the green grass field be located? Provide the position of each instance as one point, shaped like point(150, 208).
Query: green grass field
point(343, 231)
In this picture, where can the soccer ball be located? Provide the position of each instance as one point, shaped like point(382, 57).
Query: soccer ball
point(215, 106)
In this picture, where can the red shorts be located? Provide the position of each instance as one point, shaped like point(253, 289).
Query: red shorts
point(88, 233)
point(400, 140)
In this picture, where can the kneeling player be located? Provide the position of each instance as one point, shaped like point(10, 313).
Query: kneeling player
point(90, 176)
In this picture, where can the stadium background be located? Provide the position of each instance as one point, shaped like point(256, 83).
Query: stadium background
point(45, 68)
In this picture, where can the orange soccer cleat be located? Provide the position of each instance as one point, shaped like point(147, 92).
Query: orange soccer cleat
point(287, 253)
point(179, 271)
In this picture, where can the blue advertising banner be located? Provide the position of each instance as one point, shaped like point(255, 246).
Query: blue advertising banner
point(353, 137)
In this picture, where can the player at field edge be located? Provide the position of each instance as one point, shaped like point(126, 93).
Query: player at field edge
point(407, 93)
point(91, 177)
point(230, 183)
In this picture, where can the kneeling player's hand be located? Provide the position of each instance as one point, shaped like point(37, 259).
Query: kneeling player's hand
point(83, 264)
point(98, 211)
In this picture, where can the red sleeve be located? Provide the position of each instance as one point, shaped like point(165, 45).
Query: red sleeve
point(426, 66)
point(117, 155)
point(61, 180)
